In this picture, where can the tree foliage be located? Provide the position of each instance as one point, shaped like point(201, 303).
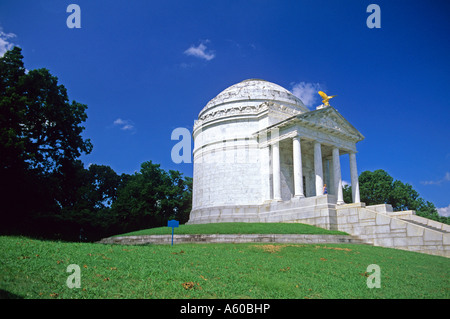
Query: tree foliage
point(45, 189)
point(40, 129)
point(151, 197)
point(40, 141)
point(378, 187)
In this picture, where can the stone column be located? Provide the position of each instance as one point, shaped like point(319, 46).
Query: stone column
point(318, 168)
point(276, 171)
point(337, 177)
point(264, 155)
point(298, 170)
point(354, 178)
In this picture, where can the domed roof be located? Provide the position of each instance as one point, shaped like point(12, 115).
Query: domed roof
point(255, 90)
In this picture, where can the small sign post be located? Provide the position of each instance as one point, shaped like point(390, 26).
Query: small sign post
point(173, 223)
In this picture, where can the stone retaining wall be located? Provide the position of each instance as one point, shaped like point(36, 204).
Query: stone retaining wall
point(232, 238)
point(381, 226)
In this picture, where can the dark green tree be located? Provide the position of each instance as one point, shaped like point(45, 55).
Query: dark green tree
point(347, 192)
point(88, 206)
point(375, 187)
point(40, 141)
point(151, 197)
point(45, 189)
point(378, 187)
point(99, 188)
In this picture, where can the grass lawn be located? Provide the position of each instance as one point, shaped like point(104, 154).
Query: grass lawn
point(37, 269)
point(238, 228)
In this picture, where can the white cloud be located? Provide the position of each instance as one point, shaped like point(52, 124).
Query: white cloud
point(124, 125)
point(119, 121)
point(5, 43)
point(127, 127)
point(200, 51)
point(307, 92)
point(446, 178)
point(444, 211)
point(344, 183)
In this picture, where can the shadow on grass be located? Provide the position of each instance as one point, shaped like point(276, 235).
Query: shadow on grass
point(8, 295)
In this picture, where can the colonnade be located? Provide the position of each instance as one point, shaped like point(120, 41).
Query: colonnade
point(318, 170)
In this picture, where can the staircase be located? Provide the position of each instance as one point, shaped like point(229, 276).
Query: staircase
point(425, 225)
point(381, 226)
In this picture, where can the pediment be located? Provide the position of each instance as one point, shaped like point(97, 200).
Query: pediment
point(330, 120)
point(325, 121)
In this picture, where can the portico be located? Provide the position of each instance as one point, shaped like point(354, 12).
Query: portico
point(315, 159)
point(333, 173)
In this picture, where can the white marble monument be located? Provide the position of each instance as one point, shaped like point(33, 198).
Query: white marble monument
point(261, 155)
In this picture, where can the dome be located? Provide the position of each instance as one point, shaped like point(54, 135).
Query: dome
point(255, 90)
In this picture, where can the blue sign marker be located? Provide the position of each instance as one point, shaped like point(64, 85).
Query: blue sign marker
point(173, 223)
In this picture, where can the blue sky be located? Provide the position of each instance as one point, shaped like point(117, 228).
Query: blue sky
point(145, 68)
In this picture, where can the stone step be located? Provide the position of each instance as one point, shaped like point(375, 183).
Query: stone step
point(424, 225)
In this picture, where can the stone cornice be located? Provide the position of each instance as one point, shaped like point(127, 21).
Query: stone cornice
point(238, 111)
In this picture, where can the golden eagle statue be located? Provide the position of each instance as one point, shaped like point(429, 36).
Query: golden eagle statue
point(325, 98)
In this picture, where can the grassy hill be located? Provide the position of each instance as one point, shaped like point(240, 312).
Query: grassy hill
point(238, 228)
point(37, 269)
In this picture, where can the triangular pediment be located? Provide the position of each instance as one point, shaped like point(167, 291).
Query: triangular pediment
point(326, 120)
point(330, 120)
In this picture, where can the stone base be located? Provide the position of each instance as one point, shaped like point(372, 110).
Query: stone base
point(317, 211)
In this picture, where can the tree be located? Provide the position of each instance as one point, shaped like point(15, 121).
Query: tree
point(40, 141)
point(87, 207)
point(45, 189)
point(347, 193)
point(375, 187)
point(11, 108)
point(98, 188)
point(151, 197)
point(378, 187)
point(38, 124)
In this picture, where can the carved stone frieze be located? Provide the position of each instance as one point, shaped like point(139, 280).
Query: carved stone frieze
point(242, 110)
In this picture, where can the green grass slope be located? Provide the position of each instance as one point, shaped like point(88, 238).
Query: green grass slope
point(238, 228)
point(38, 269)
